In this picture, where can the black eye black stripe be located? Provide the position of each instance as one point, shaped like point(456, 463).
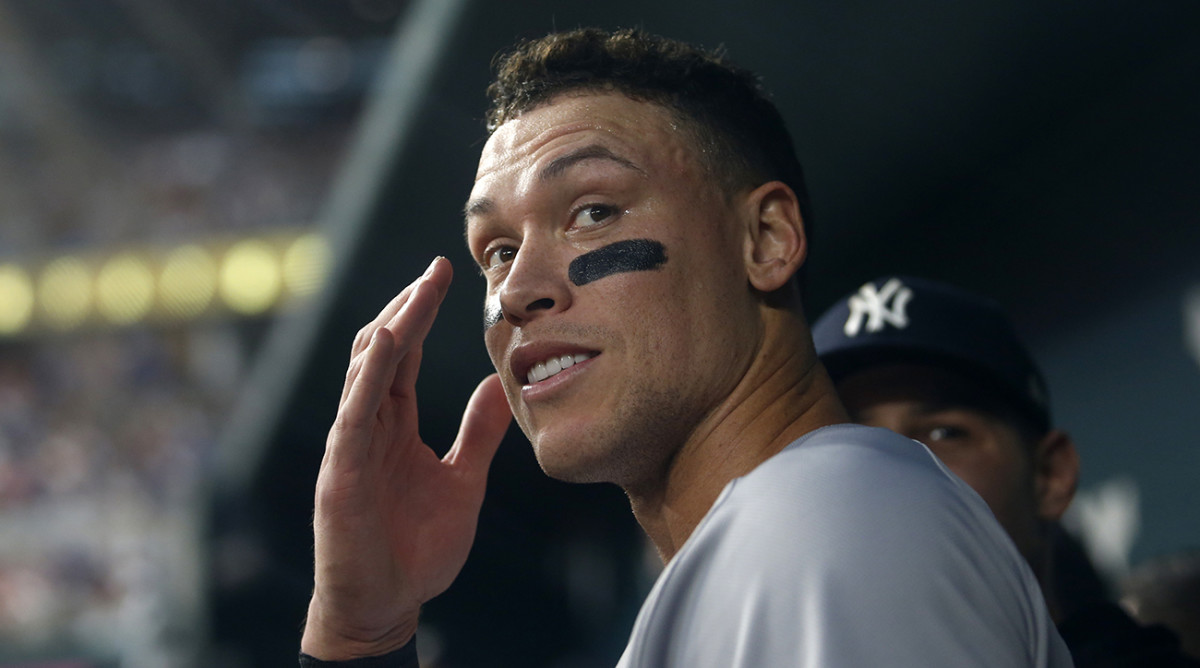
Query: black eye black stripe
point(615, 258)
point(491, 313)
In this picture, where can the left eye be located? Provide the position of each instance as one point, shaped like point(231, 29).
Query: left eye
point(946, 433)
point(593, 214)
point(501, 255)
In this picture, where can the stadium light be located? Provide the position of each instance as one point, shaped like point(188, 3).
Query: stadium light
point(16, 299)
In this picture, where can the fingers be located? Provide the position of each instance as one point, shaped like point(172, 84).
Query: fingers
point(483, 425)
point(389, 346)
point(438, 274)
point(393, 307)
point(411, 335)
point(436, 277)
point(357, 413)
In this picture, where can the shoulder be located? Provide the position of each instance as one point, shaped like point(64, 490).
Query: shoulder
point(861, 503)
point(832, 547)
point(852, 481)
point(839, 450)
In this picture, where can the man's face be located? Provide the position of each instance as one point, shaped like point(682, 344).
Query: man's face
point(608, 250)
point(927, 404)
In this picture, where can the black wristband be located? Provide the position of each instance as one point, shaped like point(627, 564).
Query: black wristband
point(405, 657)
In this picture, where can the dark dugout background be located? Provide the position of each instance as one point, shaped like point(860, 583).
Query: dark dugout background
point(1045, 153)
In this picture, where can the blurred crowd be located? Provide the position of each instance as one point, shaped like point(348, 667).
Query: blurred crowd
point(128, 126)
point(164, 189)
point(107, 436)
point(104, 441)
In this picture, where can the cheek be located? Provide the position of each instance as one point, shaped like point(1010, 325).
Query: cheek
point(495, 344)
point(688, 324)
point(976, 470)
point(998, 479)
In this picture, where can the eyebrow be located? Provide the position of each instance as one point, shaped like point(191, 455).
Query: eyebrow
point(478, 207)
point(561, 164)
point(557, 167)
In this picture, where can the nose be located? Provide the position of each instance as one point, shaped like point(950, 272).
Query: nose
point(536, 285)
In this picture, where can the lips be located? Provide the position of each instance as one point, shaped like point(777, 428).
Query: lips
point(533, 363)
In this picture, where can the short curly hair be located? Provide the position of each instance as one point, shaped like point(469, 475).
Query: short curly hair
point(738, 131)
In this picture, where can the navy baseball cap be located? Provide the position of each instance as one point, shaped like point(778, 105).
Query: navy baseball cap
point(905, 319)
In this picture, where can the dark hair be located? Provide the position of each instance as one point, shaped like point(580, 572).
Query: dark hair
point(738, 131)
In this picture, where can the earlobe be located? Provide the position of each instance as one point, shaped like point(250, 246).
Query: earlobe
point(776, 245)
point(1056, 473)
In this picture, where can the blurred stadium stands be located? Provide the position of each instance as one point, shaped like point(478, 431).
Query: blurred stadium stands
point(161, 166)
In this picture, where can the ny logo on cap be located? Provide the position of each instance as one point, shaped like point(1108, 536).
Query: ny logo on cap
point(872, 305)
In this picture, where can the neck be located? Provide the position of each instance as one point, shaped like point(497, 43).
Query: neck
point(784, 395)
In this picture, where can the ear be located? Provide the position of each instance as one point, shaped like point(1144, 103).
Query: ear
point(775, 246)
point(1056, 473)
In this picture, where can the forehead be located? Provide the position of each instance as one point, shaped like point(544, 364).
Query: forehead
point(645, 133)
point(913, 384)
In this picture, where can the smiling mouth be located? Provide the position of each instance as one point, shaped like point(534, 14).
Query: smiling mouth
point(554, 366)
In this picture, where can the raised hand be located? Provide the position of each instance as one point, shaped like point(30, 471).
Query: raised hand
point(394, 522)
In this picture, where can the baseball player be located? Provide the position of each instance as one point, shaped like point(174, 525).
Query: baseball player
point(638, 215)
point(945, 367)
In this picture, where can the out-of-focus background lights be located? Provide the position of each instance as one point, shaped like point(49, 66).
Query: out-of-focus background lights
point(65, 292)
point(16, 299)
point(305, 264)
point(244, 277)
point(250, 277)
point(125, 289)
point(188, 282)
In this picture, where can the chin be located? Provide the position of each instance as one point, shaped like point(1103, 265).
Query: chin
point(624, 447)
point(574, 461)
point(569, 466)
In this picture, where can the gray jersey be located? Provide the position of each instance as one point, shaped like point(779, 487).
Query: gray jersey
point(852, 547)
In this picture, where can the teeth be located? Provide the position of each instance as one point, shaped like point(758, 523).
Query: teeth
point(543, 370)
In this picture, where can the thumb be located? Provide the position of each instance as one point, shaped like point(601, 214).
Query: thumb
point(483, 425)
